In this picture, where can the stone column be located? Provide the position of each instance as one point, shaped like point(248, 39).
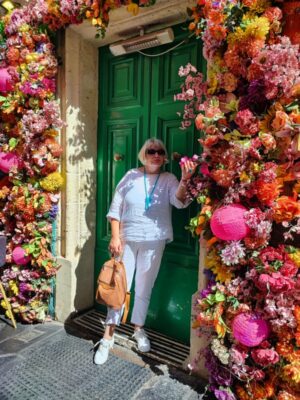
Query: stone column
point(78, 93)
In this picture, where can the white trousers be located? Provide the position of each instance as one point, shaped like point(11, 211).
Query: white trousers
point(144, 258)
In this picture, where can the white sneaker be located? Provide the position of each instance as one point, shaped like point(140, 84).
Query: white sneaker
point(101, 354)
point(143, 342)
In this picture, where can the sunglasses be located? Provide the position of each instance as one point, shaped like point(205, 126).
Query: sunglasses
point(151, 152)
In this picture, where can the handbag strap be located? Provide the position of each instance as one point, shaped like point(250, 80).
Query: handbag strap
point(117, 258)
point(126, 308)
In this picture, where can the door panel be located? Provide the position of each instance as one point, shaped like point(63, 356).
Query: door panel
point(137, 102)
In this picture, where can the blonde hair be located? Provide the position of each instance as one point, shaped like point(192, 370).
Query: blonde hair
point(152, 141)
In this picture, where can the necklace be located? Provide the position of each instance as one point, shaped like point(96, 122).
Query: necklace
point(148, 198)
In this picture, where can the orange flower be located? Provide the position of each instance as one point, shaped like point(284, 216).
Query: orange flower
point(268, 192)
point(211, 241)
point(286, 209)
point(199, 122)
point(291, 372)
point(223, 177)
point(216, 16)
point(280, 121)
point(192, 26)
point(296, 90)
point(296, 313)
point(229, 82)
point(295, 117)
point(283, 395)
point(218, 32)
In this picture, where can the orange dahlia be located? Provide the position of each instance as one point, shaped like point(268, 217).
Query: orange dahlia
point(267, 192)
point(286, 209)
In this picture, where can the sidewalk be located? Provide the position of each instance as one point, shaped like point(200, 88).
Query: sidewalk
point(54, 361)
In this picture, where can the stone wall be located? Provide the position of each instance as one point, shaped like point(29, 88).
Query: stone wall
point(78, 93)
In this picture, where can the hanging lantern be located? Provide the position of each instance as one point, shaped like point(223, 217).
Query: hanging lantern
point(291, 27)
point(19, 256)
point(249, 329)
point(8, 161)
point(228, 223)
point(5, 80)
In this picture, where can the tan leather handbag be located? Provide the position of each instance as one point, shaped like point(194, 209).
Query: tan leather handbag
point(112, 286)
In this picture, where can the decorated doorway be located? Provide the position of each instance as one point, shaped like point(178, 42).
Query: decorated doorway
point(137, 102)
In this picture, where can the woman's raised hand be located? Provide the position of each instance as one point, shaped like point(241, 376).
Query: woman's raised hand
point(115, 246)
point(188, 168)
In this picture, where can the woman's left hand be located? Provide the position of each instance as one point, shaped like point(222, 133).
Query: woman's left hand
point(188, 169)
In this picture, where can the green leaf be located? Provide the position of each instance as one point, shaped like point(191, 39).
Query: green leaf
point(219, 297)
point(13, 143)
point(234, 302)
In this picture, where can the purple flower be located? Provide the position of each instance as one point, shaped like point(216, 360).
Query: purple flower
point(224, 395)
point(254, 99)
point(218, 375)
point(53, 212)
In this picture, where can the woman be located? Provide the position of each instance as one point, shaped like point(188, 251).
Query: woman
point(140, 217)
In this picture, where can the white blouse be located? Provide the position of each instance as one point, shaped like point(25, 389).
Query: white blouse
point(128, 206)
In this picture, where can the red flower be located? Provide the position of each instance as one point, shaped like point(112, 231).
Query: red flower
point(265, 357)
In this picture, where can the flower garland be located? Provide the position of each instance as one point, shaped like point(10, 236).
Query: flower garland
point(248, 187)
point(29, 151)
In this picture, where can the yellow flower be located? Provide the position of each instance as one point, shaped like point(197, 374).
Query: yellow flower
point(254, 28)
point(222, 272)
point(258, 28)
point(133, 8)
point(259, 6)
point(295, 257)
point(52, 182)
point(24, 28)
point(3, 304)
point(50, 132)
point(212, 82)
point(13, 287)
point(244, 177)
point(291, 372)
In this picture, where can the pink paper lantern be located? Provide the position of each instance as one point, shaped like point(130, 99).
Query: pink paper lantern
point(19, 256)
point(5, 80)
point(249, 329)
point(7, 161)
point(228, 223)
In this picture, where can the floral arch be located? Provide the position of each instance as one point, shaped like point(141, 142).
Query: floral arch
point(248, 181)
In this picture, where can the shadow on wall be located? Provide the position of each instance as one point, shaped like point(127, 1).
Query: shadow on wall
point(81, 204)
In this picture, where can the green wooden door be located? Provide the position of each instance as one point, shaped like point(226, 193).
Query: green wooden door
point(137, 102)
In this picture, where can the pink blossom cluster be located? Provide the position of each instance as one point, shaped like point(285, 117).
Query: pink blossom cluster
point(247, 122)
point(279, 66)
point(232, 253)
point(191, 92)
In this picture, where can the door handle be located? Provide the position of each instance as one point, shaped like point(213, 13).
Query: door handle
point(118, 157)
point(176, 156)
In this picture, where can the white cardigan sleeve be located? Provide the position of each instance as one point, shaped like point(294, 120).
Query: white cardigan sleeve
point(116, 207)
point(173, 186)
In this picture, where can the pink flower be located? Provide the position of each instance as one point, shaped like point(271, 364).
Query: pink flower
point(257, 374)
point(275, 282)
point(273, 13)
point(265, 357)
point(238, 354)
point(233, 253)
point(247, 122)
point(289, 269)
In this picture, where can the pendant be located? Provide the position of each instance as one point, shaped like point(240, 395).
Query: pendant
point(147, 203)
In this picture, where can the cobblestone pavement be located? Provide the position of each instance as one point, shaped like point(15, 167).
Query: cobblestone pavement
point(53, 361)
